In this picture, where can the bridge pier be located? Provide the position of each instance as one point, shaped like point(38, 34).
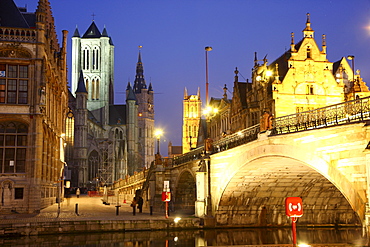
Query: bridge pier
point(201, 187)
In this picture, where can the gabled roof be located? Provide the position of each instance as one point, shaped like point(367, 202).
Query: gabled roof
point(92, 32)
point(11, 16)
point(282, 62)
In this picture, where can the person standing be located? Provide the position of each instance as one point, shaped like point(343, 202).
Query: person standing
point(140, 204)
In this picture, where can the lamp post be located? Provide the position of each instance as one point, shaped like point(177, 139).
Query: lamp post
point(351, 57)
point(158, 134)
point(207, 48)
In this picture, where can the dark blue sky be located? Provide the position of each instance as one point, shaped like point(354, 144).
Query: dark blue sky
point(174, 33)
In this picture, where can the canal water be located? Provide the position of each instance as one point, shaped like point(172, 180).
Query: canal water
point(198, 238)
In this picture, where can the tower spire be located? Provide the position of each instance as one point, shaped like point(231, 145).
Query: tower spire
point(139, 82)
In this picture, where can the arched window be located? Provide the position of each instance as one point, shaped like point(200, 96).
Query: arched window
point(13, 146)
point(97, 91)
point(95, 58)
point(93, 89)
point(93, 167)
point(86, 59)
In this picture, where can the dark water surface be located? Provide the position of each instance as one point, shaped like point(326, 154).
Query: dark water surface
point(197, 238)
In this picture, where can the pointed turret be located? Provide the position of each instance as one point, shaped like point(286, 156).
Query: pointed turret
point(185, 93)
point(308, 32)
point(81, 88)
point(104, 33)
point(76, 33)
point(150, 89)
point(130, 95)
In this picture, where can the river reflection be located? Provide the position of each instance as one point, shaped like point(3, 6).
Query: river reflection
point(197, 238)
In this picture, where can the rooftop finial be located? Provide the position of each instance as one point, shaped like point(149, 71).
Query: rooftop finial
point(93, 15)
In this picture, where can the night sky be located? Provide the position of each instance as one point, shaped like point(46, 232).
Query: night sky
point(174, 33)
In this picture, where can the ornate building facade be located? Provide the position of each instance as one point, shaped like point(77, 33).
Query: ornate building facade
point(301, 79)
point(33, 103)
point(105, 141)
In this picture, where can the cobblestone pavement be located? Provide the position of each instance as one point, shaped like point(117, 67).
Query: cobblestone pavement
point(88, 208)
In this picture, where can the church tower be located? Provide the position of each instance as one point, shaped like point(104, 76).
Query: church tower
point(145, 101)
point(191, 117)
point(93, 53)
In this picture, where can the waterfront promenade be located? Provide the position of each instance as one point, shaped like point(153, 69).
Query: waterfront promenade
point(93, 216)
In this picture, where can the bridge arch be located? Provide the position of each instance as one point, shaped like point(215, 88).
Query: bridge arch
point(258, 179)
point(185, 193)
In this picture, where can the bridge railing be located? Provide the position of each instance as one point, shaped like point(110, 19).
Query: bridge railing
point(343, 113)
point(347, 112)
point(236, 139)
point(230, 141)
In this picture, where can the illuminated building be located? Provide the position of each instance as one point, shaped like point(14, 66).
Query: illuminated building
point(191, 120)
point(33, 103)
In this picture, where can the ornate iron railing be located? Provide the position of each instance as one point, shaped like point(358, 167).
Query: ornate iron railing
point(343, 113)
point(230, 141)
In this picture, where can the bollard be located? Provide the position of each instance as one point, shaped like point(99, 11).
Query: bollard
point(134, 210)
point(117, 209)
point(151, 210)
point(76, 209)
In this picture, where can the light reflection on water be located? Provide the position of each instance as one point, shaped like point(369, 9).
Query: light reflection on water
point(197, 238)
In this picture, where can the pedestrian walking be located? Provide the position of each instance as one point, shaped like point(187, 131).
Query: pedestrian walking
point(78, 192)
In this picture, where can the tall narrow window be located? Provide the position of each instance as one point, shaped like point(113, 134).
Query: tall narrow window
point(97, 91)
point(93, 89)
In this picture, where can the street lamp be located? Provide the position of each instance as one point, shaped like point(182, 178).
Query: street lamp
point(207, 48)
point(351, 57)
point(158, 134)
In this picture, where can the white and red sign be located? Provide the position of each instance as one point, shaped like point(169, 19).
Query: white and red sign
point(293, 206)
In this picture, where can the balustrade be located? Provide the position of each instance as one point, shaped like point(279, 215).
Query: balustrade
point(17, 34)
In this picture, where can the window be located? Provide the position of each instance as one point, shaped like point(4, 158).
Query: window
point(13, 84)
point(18, 193)
point(13, 144)
point(86, 59)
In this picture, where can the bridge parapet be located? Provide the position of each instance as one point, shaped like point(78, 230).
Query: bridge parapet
point(348, 112)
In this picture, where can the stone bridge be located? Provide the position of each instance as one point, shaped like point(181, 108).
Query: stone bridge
point(321, 156)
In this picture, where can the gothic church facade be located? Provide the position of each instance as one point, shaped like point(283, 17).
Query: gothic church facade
point(105, 141)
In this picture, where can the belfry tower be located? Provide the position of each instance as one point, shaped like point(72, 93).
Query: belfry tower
point(191, 120)
point(93, 53)
point(145, 101)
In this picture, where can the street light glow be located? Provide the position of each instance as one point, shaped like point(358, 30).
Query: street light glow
point(158, 133)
